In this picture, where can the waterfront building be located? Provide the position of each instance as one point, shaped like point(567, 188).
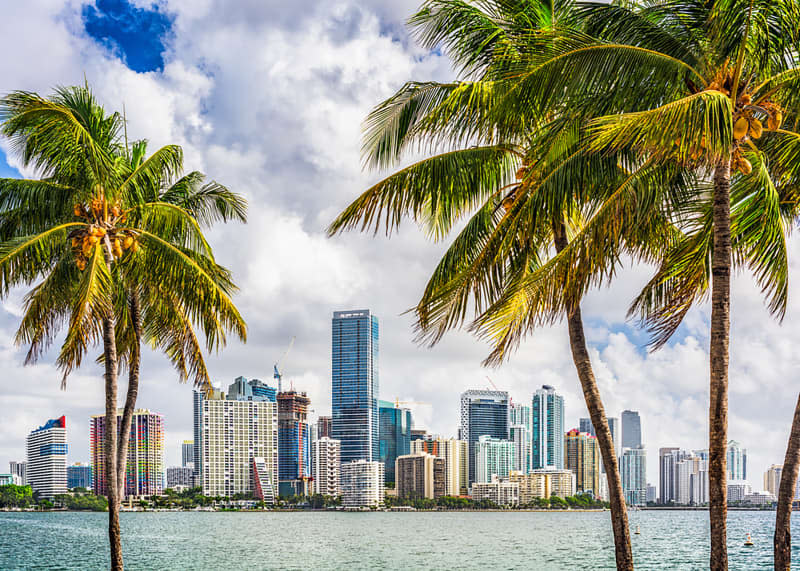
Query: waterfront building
point(327, 456)
point(10, 480)
point(79, 475)
point(19, 469)
point(454, 453)
point(520, 436)
point(651, 494)
point(493, 457)
point(294, 444)
point(543, 484)
point(583, 458)
point(737, 461)
point(667, 457)
point(197, 425)
point(187, 454)
point(324, 427)
point(145, 462)
point(46, 470)
point(420, 475)
point(395, 435)
point(631, 429)
point(238, 443)
point(354, 384)
point(772, 479)
point(585, 425)
point(547, 429)
point(502, 493)
point(483, 413)
point(362, 483)
point(760, 498)
point(180, 476)
point(737, 490)
point(633, 472)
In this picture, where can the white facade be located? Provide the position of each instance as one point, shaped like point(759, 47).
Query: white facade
point(737, 461)
point(362, 484)
point(499, 492)
point(455, 457)
point(493, 457)
point(520, 436)
point(760, 498)
point(772, 479)
point(326, 454)
point(737, 490)
point(47, 459)
point(633, 472)
point(543, 484)
point(180, 476)
point(20, 469)
point(235, 432)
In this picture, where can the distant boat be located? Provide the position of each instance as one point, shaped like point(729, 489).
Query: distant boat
point(749, 541)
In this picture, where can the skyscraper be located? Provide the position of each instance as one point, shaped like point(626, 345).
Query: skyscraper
point(187, 454)
point(772, 479)
point(616, 434)
point(145, 463)
point(633, 472)
point(79, 476)
point(585, 425)
point(520, 432)
point(354, 384)
point(583, 458)
point(324, 427)
point(737, 461)
point(395, 435)
point(180, 476)
point(455, 456)
point(483, 413)
point(239, 444)
point(47, 458)
point(667, 457)
point(547, 428)
point(294, 444)
point(327, 454)
point(493, 457)
point(19, 469)
point(362, 484)
point(631, 429)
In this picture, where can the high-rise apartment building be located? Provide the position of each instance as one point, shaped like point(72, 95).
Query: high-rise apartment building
point(145, 459)
point(420, 475)
point(324, 427)
point(354, 384)
point(362, 484)
point(547, 429)
point(772, 479)
point(737, 461)
point(520, 436)
point(483, 413)
point(454, 453)
point(182, 476)
point(667, 457)
point(327, 455)
point(631, 429)
point(47, 459)
point(585, 425)
point(79, 475)
point(187, 454)
point(500, 492)
point(583, 458)
point(395, 435)
point(238, 443)
point(493, 457)
point(19, 469)
point(294, 444)
point(633, 472)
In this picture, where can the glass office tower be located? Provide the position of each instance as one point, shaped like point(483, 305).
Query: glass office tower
point(483, 413)
point(395, 435)
point(547, 419)
point(354, 380)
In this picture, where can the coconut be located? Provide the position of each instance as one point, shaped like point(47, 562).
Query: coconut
point(740, 128)
point(127, 242)
point(745, 99)
point(87, 249)
point(745, 167)
point(76, 242)
point(81, 264)
point(508, 203)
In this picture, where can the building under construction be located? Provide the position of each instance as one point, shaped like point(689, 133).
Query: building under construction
point(294, 444)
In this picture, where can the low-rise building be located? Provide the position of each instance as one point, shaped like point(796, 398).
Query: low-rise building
point(543, 483)
point(326, 456)
point(419, 475)
point(737, 490)
point(362, 484)
point(760, 498)
point(502, 493)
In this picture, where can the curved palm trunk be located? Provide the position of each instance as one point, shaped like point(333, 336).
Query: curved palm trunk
point(718, 350)
point(132, 393)
point(110, 443)
point(783, 516)
point(591, 394)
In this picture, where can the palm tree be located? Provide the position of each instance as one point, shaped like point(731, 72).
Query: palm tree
point(88, 231)
point(706, 87)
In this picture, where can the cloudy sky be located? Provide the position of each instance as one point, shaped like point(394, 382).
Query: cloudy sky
point(267, 97)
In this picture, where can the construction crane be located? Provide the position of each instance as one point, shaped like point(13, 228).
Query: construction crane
point(492, 383)
point(276, 372)
point(398, 402)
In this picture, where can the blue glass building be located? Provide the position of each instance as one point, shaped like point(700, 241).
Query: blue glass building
point(354, 380)
point(79, 476)
point(483, 413)
point(395, 435)
point(547, 429)
point(294, 444)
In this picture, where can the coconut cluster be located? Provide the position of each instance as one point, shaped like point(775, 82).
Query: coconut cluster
point(749, 119)
point(102, 219)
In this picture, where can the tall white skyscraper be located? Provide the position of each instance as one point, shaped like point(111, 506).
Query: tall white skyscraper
point(326, 457)
point(737, 461)
point(633, 472)
point(493, 457)
point(47, 459)
point(547, 429)
point(362, 484)
point(520, 433)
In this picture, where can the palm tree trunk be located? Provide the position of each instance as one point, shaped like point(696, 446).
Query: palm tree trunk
point(133, 390)
point(110, 444)
point(783, 516)
point(591, 394)
point(718, 350)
